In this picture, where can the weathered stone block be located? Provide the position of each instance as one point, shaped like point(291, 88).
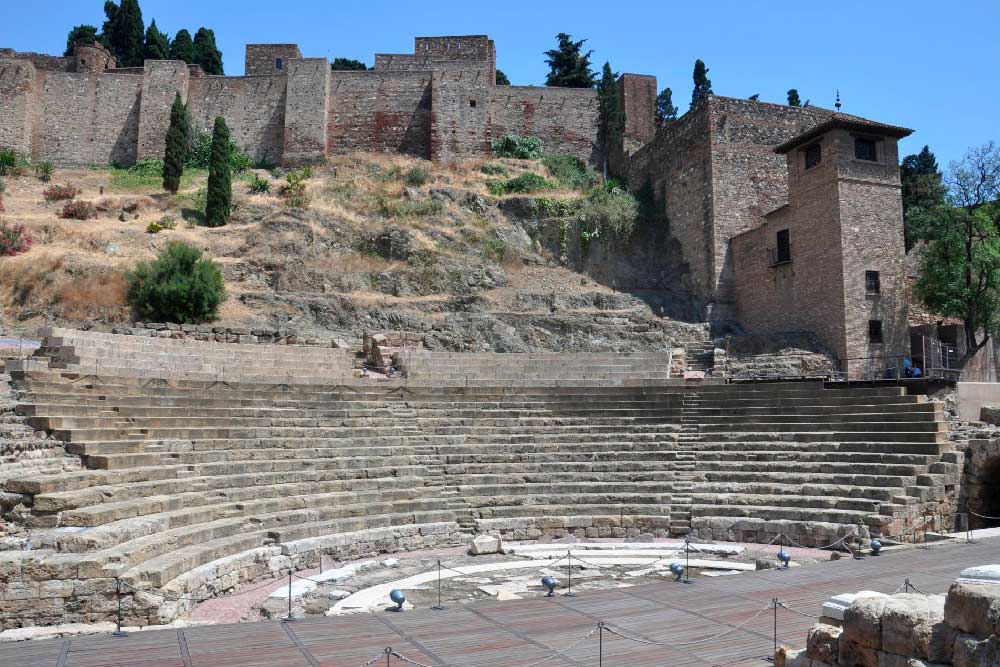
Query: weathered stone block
point(822, 642)
point(863, 622)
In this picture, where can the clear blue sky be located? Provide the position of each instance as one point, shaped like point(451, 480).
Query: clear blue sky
point(931, 66)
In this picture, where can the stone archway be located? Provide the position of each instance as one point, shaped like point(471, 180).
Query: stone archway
point(981, 483)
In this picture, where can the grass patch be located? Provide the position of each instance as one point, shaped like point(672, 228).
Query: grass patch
point(148, 175)
point(570, 171)
point(528, 182)
point(397, 208)
point(494, 169)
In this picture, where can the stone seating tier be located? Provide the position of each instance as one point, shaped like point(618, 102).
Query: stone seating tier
point(194, 486)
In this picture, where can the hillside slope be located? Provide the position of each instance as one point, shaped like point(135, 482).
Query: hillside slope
point(385, 243)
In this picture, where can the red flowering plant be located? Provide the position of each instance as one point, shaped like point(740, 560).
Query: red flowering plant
point(13, 239)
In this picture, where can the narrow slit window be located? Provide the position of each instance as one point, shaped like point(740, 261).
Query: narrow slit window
point(784, 243)
point(814, 155)
point(472, 104)
point(279, 64)
point(875, 331)
point(873, 282)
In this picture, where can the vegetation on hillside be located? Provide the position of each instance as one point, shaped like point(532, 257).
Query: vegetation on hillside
point(180, 286)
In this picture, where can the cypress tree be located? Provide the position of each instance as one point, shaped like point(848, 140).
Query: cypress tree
point(157, 45)
point(665, 109)
point(182, 48)
point(81, 34)
point(177, 146)
point(610, 117)
point(702, 84)
point(923, 190)
point(108, 27)
point(206, 53)
point(569, 67)
point(220, 187)
point(127, 32)
point(793, 98)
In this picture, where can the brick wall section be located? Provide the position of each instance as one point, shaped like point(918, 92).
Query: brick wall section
point(844, 218)
point(565, 119)
point(386, 111)
point(17, 92)
point(638, 95)
point(306, 106)
point(254, 109)
point(90, 118)
point(162, 81)
point(460, 114)
point(261, 59)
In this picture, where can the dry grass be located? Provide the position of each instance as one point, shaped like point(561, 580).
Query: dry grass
point(101, 296)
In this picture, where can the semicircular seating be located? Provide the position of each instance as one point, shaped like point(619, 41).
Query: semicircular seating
point(201, 472)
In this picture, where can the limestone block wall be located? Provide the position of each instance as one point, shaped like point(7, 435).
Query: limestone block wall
point(17, 90)
point(163, 79)
point(565, 119)
point(380, 111)
point(90, 118)
point(870, 629)
point(263, 59)
point(306, 107)
point(254, 109)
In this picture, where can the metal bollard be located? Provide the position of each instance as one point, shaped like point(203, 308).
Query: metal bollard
point(569, 576)
point(118, 622)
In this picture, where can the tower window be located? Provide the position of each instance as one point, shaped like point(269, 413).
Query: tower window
point(873, 282)
point(864, 149)
point(279, 64)
point(814, 155)
point(784, 253)
point(875, 332)
point(472, 104)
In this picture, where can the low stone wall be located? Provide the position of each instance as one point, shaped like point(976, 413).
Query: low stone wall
point(870, 629)
point(205, 332)
point(534, 528)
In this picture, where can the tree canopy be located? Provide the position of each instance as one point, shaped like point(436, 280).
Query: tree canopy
point(923, 190)
point(793, 98)
point(206, 53)
point(665, 109)
point(157, 46)
point(178, 145)
point(610, 115)
point(125, 32)
point(502, 79)
point(569, 66)
point(182, 47)
point(347, 64)
point(960, 266)
point(81, 34)
point(220, 184)
point(702, 84)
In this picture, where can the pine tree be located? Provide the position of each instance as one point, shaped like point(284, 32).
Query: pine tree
point(182, 48)
point(176, 154)
point(220, 187)
point(206, 53)
point(665, 109)
point(502, 79)
point(702, 84)
point(81, 34)
point(569, 67)
point(157, 45)
point(610, 116)
point(922, 190)
point(125, 32)
point(793, 98)
point(347, 64)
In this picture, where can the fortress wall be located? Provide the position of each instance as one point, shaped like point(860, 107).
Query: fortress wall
point(565, 119)
point(677, 165)
point(306, 109)
point(262, 59)
point(17, 90)
point(460, 103)
point(254, 109)
point(381, 111)
point(162, 81)
point(41, 61)
point(89, 118)
point(475, 48)
point(749, 179)
point(638, 93)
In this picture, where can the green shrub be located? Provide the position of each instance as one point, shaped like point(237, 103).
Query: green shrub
point(147, 175)
point(8, 162)
point(153, 228)
point(515, 146)
point(494, 169)
point(527, 182)
point(258, 185)
point(609, 211)
point(294, 192)
point(201, 154)
point(549, 207)
point(78, 210)
point(60, 192)
point(44, 171)
point(13, 239)
point(417, 176)
point(570, 171)
point(166, 222)
point(495, 249)
point(179, 286)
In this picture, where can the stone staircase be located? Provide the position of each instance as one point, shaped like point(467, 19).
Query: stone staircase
point(190, 484)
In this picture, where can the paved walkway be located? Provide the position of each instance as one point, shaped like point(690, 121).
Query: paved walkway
point(720, 622)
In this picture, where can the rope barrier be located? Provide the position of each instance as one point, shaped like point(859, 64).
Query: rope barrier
point(182, 598)
point(983, 516)
point(796, 611)
point(405, 659)
point(832, 544)
point(566, 650)
point(381, 654)
point(696, 641)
